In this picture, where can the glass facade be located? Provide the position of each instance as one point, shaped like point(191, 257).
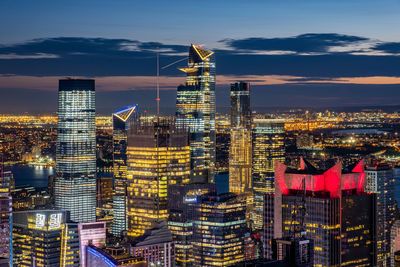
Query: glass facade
point(268, 147)
point(121, 122)
point(219, 230)
point(75, 183)
point(38, 238)
point(240, 105)
point(240, 158)
point(180, 221)
point(380, 180)
point(5, 215)
point(328, 205)
point(195, 111)
point(158, 155)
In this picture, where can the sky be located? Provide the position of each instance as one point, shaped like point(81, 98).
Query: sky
point(294, 53)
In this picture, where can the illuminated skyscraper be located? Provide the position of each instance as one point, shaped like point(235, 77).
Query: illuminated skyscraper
point(158, 155)
point(75, 183)
point(380, 180)
point(240, 150)
point(240, 105)
point(5, 216)
point(268, 148)
point(181, 201)
point(219, 230)
point(328, 205)
point(121, 121)
point(195, 111)
point(43, 238)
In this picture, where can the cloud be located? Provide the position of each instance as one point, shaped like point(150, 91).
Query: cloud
point(34, 56)
point(305, 43)
point(392, 47)
point(299, 65)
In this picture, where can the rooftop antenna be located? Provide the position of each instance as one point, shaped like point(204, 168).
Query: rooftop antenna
point(158, 84)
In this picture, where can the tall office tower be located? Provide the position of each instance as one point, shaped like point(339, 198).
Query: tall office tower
point(195, 111)
point(268, 148)
point(155, 246)
point(240, 150)
point(331, 208)
point(5, 216)
point(75, 183)
point(181, 200)
point(91, 233)
point(219, 230)
point(38, 238)
point(240, 105)
point(121, 121)
point(158, 155)
point(380, 180)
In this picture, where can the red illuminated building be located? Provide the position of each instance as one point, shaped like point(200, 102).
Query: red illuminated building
point(330, 206)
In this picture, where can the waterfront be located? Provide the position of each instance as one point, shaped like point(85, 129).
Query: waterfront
point(36, 176)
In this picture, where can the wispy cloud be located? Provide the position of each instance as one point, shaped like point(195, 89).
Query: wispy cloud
point(34, 56)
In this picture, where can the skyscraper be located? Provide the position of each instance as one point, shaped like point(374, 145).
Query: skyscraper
point(219, 230)
point(43, 238)
point(330, 206)
point(75, 183)
point(240, 105)
point(380, 180)
point(158, 155)
point(195, 111)
point(121, 121)
point(240, 150)
point(181, 201)
point(268, 148)
point(5, 216)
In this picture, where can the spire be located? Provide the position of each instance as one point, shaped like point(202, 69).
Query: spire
point(125, 113)
point(201, 52)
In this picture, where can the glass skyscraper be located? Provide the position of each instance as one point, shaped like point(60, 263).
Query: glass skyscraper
point(240, 149)
point(380, 180)
point(240, 105)
point(121, 121)
point(268, 147)
point(75, 183)
point(195, 111)
point(219, 230)
point(158, 155)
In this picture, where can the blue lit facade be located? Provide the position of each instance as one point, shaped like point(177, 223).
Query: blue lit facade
point(75, 183)
point(196, 108)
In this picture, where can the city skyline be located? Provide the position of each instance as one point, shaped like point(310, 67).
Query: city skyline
point(294, 54)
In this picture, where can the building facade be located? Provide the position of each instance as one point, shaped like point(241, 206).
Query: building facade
point(181, 200)
point(75, 182)
point(380, 180)
point(219, 230)
point(331, 208)
point(98, 257)
point(91, 233)
point(195, 111)
point(39, 239)
point(268, 147)
point(155, 246)
point(121, 121)
point(158, 156)
point(5, 216)
point(240, 150)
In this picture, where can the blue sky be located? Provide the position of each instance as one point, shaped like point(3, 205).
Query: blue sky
point(308, 47)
